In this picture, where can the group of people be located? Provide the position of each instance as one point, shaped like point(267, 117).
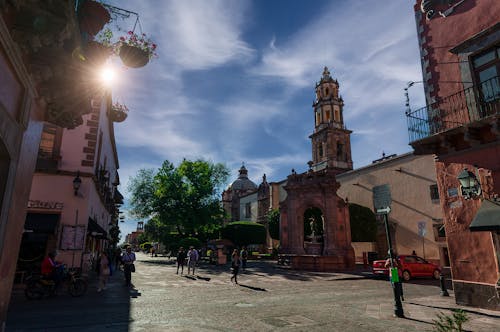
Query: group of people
point(104, 267)
point(191, 257)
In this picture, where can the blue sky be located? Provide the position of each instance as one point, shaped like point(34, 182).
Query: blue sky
point(234, 82)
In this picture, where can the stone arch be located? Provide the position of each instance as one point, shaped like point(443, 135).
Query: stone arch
point(319, 190)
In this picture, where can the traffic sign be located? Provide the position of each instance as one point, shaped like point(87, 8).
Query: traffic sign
point(421, 228)
point(381, 197)
point(384, 210)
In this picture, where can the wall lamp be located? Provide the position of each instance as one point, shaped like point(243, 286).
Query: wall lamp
point(77, 182)
point(469, 184)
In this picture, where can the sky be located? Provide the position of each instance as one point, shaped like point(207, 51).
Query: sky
point(234, 82)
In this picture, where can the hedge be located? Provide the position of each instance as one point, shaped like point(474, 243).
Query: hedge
point(243, 233)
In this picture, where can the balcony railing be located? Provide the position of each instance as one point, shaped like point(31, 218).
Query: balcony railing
point(464, 107)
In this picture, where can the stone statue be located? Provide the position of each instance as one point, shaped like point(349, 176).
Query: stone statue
point(311, 223)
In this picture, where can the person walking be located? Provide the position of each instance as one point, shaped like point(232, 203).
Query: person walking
point(244, 257)
point(235, 265)
point(128, 260)
point(192, 257)
point(181, 260)
point(104, 271)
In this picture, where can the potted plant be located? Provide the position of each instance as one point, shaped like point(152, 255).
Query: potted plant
point(119, 112)
point(136, 50)
point(100, 49)
point(92, 17)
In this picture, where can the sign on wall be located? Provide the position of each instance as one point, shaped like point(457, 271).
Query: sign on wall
point(72, 238)
point(421, 228)
point(382, 198)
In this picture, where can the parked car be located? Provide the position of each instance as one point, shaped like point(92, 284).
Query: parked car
point(413, 266)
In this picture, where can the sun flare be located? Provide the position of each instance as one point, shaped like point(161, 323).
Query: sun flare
point(107, 76)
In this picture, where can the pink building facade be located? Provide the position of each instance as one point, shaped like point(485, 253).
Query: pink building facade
point(460, 51)
point(74, 220)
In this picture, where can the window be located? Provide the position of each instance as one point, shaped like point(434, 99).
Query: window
point(486, 71)
point(248, 210)
point(317, 118)
point(50, 141)
point(320, 150)
point(328, 116)
point(340, 151)
point(434, 192)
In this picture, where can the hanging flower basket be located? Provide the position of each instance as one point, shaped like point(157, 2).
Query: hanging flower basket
point(97, 53)
point(136, 50)
point(119, 112)
point(133, 56)
point(93, 16)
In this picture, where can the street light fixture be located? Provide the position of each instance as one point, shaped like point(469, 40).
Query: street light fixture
point(77, 182)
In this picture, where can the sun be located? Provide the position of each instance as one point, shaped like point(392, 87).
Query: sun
point(107, 76)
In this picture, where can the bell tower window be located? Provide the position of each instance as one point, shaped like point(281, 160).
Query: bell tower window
point(328, 116)
point(320, 150)
point(340, 151)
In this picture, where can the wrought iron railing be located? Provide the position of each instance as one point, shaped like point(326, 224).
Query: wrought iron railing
point(469, 105)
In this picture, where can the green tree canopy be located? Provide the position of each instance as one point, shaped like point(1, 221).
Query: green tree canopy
point(183, 198)
point(363, 223)
point(273, 219)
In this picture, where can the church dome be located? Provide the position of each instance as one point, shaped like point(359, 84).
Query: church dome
point(243, 182)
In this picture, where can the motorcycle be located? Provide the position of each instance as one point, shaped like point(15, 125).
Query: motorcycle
point(38, 287)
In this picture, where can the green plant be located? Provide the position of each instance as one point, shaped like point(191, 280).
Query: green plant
point(453, 322)
point(273, 219)
point(141, 42)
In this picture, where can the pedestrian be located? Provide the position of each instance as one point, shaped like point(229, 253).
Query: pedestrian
point(152, 251)
point(235, 265)
point(118, 258)
point(181, 260)
point(104, 271)
point(244, 257)
point(396, 263)
point(192, 257)
point(128, 260)
point(414, 253)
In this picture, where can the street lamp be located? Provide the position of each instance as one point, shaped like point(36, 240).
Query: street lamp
point(469, 184)
point(77, 182)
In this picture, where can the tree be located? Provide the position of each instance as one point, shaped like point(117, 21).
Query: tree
point(184, 198)
point(363, 223)
point(273, 219)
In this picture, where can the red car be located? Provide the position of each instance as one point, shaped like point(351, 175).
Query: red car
point(413, 266)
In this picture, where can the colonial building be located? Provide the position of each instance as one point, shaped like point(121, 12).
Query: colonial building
point(132, 238)
point(42, 78)
point(74, 197)
point(415, 220)
point(460, 126)
point(237, 198)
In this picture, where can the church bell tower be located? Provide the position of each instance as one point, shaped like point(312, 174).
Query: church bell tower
point(331, 142)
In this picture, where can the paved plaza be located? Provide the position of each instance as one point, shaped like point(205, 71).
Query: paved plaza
point(268, 298)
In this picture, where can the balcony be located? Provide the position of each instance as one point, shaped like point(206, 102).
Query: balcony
point(461, 121)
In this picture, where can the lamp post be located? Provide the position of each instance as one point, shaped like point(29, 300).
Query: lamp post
point(382, 203)
point(469, 184)
point(77, 182)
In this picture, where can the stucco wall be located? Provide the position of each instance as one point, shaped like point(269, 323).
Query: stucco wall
point(409, 178)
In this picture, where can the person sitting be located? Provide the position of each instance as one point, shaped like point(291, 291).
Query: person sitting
point(51, 269)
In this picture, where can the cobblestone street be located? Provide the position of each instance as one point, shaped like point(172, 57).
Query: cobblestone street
point(268, 298)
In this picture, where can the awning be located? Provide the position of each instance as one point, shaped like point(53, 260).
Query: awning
point(487, 217)
point(41, 223)
point(95, 230)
